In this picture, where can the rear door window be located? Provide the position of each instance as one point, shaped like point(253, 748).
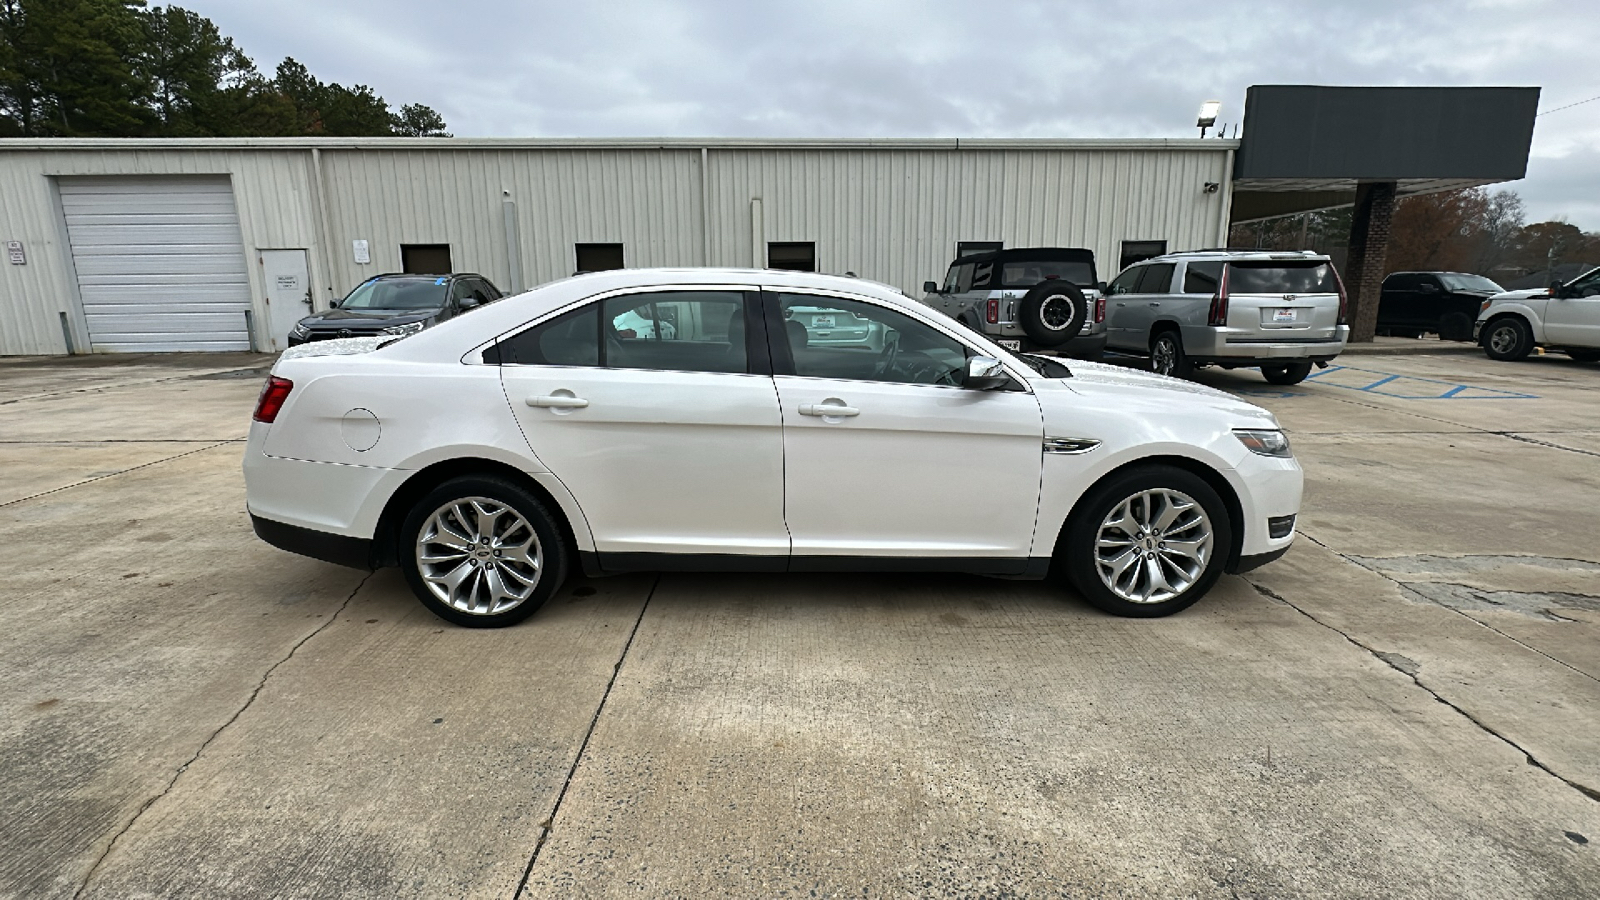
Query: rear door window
point(1025, 273)
point(1156, 279)
point(1278, 277)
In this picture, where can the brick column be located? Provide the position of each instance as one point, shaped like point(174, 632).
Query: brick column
point(1369, 245)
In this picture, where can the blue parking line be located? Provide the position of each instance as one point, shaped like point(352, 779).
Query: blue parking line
point(1452, 390)
point(1381, 381)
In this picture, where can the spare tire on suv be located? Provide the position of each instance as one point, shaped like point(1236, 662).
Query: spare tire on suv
point(1053, 312)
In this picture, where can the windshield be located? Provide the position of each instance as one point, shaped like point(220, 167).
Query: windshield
point(1311, 277)
point(408, 293)
point(1469, 283)
point(1026, 274)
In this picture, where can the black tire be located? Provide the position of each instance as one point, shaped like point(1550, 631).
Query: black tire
point(1507, 339)
point(1053, 312)
point(1455, 326)
point(1289, 373)
point(1081, 552)
point(1585, 355)
point(1167, 356)
point(550, 549)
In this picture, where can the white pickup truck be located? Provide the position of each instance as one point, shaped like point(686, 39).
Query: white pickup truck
point(1563, 317)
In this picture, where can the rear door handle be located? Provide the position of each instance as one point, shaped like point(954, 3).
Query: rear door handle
point(828, 409)
point(1154, 304)
point(558, 402)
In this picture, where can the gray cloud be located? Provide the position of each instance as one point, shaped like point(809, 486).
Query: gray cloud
point(1137, 68)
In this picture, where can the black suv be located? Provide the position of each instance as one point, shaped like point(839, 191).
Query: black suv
point(1442, 303)
point(396, 304)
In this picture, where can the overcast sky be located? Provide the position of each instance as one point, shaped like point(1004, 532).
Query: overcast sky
point(894, 68)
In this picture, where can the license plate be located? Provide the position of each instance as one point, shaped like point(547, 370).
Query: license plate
point(822, 321)
point(1283, 315)
point(1010, 345)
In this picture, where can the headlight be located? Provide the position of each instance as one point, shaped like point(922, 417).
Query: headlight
point(408, 328)
point(300, 330)
point(1264, 442)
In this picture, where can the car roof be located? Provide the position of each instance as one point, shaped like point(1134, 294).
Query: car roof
point(1228, 254)
point(462, 333)
point(1005, 254)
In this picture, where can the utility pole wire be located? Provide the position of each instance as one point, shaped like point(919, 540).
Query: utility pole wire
point(1568, 106)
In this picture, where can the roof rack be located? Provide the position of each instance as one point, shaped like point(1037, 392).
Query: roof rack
point(1239, 250)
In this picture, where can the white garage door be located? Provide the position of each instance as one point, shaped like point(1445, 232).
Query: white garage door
point(160, 262)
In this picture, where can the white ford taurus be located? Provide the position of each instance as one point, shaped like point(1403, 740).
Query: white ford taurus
point(756, 421)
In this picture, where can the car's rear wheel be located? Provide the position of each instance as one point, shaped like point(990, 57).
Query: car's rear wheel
point(1148, 542)
point(482, 552)
point(1053, 312)
point(1585, 355)
point(1167, 356)
point(1507, 339)
point(1288, 373)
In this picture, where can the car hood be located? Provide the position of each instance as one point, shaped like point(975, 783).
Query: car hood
point(354, 318)
point(1524, 294)
point(1148, 390)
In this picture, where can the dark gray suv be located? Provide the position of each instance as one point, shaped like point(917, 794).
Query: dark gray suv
point(1027, 299)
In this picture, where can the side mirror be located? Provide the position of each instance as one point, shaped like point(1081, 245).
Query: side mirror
point(985, 373)
point(467, 302)
point(1101, 287)
point(1427, 288)
point(1557, 289)
point(930, 287)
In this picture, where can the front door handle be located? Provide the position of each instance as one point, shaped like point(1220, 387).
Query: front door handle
point(828, 409)
point(1153, 303)
point(558, 401)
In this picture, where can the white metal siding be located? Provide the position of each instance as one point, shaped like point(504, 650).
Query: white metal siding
point(889, 210)
point(159, 262)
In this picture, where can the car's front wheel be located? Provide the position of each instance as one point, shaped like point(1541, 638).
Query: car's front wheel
point(1148, 542)
point(482, 552)
point(1508, 339)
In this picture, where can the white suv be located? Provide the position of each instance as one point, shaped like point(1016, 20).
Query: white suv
point(494, 453)
point(1563, 317)
point(1235, 309)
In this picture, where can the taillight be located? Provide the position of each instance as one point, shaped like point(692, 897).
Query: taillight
point(273, 393)
point(1344, 300)
point(1219, 302)
point(1099, 309)
point(992, 312)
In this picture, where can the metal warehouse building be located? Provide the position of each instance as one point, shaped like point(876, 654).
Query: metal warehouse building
point(222, 244)
point(135, 245)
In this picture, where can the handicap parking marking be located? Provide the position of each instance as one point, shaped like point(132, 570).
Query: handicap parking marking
point(1408, 387)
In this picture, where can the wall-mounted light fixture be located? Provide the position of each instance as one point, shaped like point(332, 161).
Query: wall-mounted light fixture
point(1212, 187)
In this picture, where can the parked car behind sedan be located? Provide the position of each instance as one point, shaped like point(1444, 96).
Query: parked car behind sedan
point(397, 305)
point(1235, 309)
point(1564, 317)
point(1442, 303)
point(1027, 299)
point(494, 453)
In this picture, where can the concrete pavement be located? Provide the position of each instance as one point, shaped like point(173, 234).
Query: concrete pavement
point(1405, 705)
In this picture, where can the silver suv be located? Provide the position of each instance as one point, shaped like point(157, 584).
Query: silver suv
point(1230, 308)
point(1027, 299)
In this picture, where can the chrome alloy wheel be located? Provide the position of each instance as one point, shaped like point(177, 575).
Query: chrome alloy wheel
point(1153, 546)
point(1163, 357)
point(1503, 339)
point(1056, 311)
point(479, 556)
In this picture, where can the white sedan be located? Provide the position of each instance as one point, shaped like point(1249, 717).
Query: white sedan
point(492, 454)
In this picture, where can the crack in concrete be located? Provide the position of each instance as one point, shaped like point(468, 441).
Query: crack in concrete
point(154, 462)
point(1399, 664)
point(1409, 587)
point(548, 825)
point(173, 781)
point(1535, 441)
